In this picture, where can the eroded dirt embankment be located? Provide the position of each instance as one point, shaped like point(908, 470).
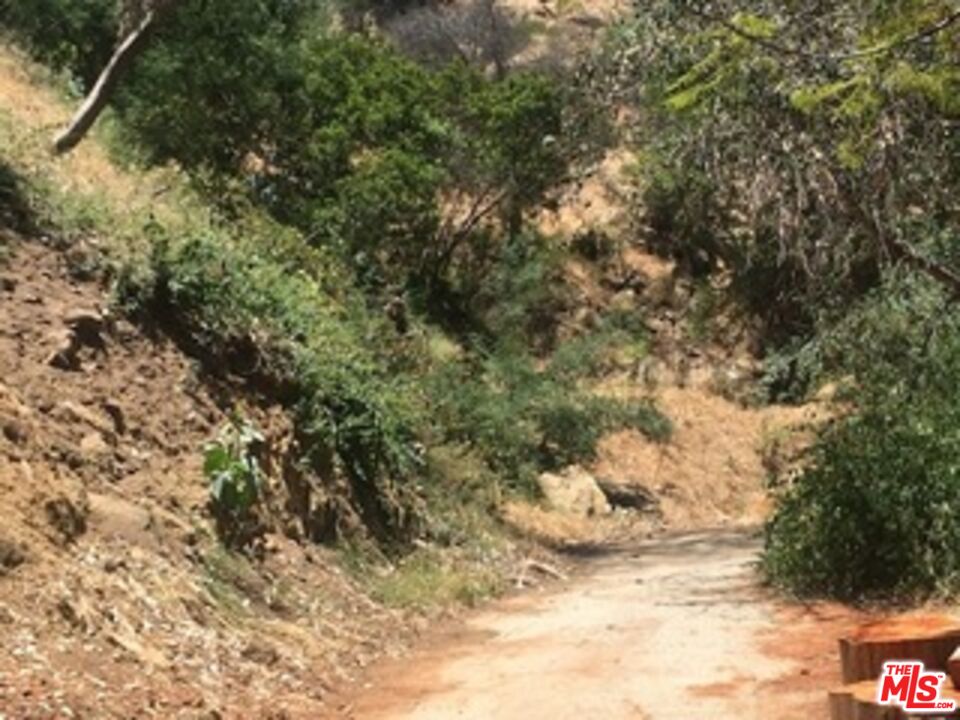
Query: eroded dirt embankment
point(115, 602)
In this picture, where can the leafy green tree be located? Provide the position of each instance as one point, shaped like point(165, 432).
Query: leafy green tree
point(406, 167)
point(66, 34)
point(798, 148)
point(138, 18)
point(213, 81)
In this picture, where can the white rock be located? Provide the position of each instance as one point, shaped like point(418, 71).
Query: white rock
point(574, 491)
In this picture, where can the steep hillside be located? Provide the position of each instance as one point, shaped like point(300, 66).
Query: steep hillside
point(117, 597)
point(121, 597)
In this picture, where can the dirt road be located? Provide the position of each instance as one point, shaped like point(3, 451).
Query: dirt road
point(675, 628)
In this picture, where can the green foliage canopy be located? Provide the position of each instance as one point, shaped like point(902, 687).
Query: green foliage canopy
point(803, 150)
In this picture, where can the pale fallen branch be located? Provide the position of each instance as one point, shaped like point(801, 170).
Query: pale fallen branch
point(545, 569)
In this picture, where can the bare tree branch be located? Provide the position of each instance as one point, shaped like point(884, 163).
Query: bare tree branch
point(451, 239)
point(898, 250)
point(98, 98)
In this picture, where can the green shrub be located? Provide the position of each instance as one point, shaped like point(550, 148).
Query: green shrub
point(521, 300)
point(523, 420)
point(385, 139)
point(792, 372)
point(519, 399)
point(874, 512)
point(460, 489)
point(593, 354)
point(215, 80)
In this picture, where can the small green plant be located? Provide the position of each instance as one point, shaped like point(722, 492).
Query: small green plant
point(236, 481)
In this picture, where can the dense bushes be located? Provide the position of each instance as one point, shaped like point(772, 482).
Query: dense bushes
point(416, 179)
point(362, 407)
point(332, 361)
point(74, 36)
point(386, 140)
point(397, 167)
point(522, 400)
point(214, 81)
point(874, 513)
point(407, 172)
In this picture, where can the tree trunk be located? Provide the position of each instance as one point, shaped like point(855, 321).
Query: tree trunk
point(106, 84)
point(928, 638)
point(931, 639)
